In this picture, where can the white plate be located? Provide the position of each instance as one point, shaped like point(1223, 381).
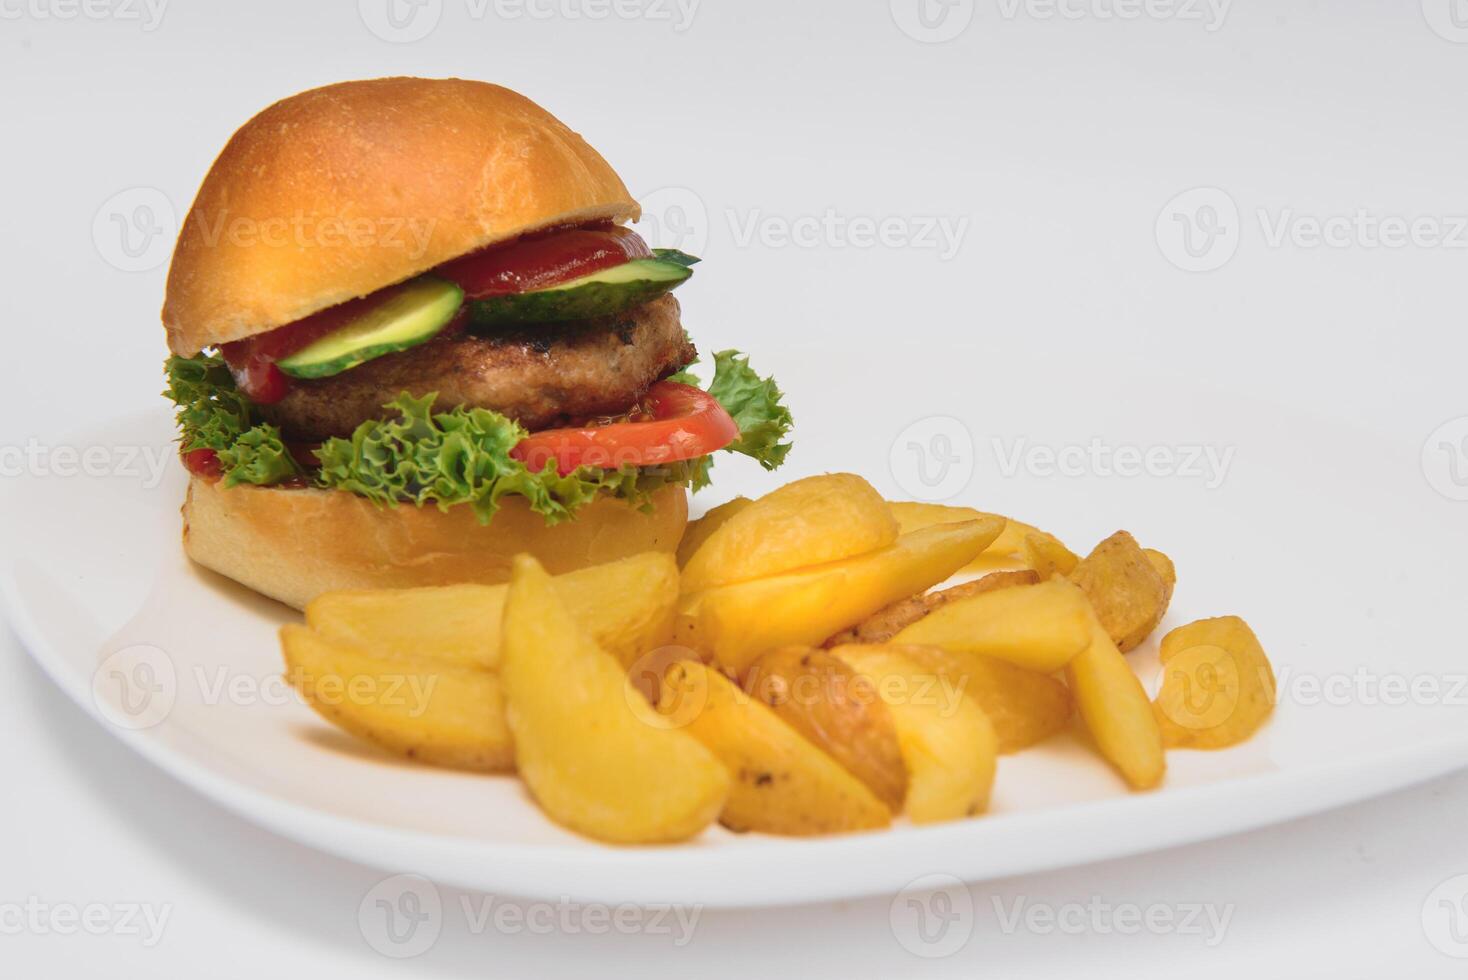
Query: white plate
point(93, 566)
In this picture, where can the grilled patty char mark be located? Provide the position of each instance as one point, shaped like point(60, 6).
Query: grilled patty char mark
point(542, 377)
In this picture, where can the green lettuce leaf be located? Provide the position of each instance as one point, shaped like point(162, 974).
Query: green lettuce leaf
point(213, 414)
point(462, 456)
point(754, 402)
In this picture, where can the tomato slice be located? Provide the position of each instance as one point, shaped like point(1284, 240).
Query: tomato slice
point(543, 260)
point(686, 423)
point(204, 463)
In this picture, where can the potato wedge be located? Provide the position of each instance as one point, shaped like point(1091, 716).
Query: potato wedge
point(698, 530)
point(413, 707)
point(947, 742)
point(886, 623)
point(1165, 568)
point(588, 755)
point(822, 698)
point(627, 606)
point(1125, 588)
point(1039, 627)
point(1217, 685)
point(736, 623)
point(813, 521)
point(1004, 554)
point(1024, 706)
point(1116, 711)
point(1047, 556)
point(782, 783)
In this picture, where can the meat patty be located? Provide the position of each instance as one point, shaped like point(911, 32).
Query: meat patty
point(542, 376)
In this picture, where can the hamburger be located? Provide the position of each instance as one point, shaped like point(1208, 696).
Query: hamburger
point(412, 336)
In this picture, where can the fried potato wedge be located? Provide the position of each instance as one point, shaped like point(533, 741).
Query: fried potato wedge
point(1164, 567)
point(1024, 706)
point(1218, 686)
point(1005, 553)
point(813, 521)
point(1039, 627)
point(736, 623)
point(627, 606)
point(947, 742)
point(1047, 556)
point(413, 707)
point(584, 744)
point(1116, 711)
point(782, 783)
point(1127, 591)
point(823, 699)
point(698, 531)
point(886, 623)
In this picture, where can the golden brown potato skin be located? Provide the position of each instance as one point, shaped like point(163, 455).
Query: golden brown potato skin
point(823, 699)
point(887, 623)
point(1128, 592)
point(781, 783)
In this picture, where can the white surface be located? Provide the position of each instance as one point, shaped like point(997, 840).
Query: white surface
point(185, 667)
point(1061, 141)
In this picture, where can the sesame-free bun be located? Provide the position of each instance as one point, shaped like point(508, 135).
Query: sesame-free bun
point(340, 191)
point(293, 544)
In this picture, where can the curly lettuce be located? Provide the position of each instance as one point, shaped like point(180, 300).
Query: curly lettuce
point(213, 414)
point(462, 456)
point(754, 402)
point(456, 457)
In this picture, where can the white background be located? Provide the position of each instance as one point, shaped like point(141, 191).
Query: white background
point(1056, 143)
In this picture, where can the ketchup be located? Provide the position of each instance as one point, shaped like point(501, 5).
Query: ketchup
point(543, 260)
point(536, 261)
point(202, 462)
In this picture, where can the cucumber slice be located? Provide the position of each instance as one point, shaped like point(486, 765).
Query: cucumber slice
point(602, 293)
point(406, 317)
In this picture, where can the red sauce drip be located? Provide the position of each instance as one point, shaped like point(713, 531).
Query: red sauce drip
point(536, 261)
point(203, 462)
